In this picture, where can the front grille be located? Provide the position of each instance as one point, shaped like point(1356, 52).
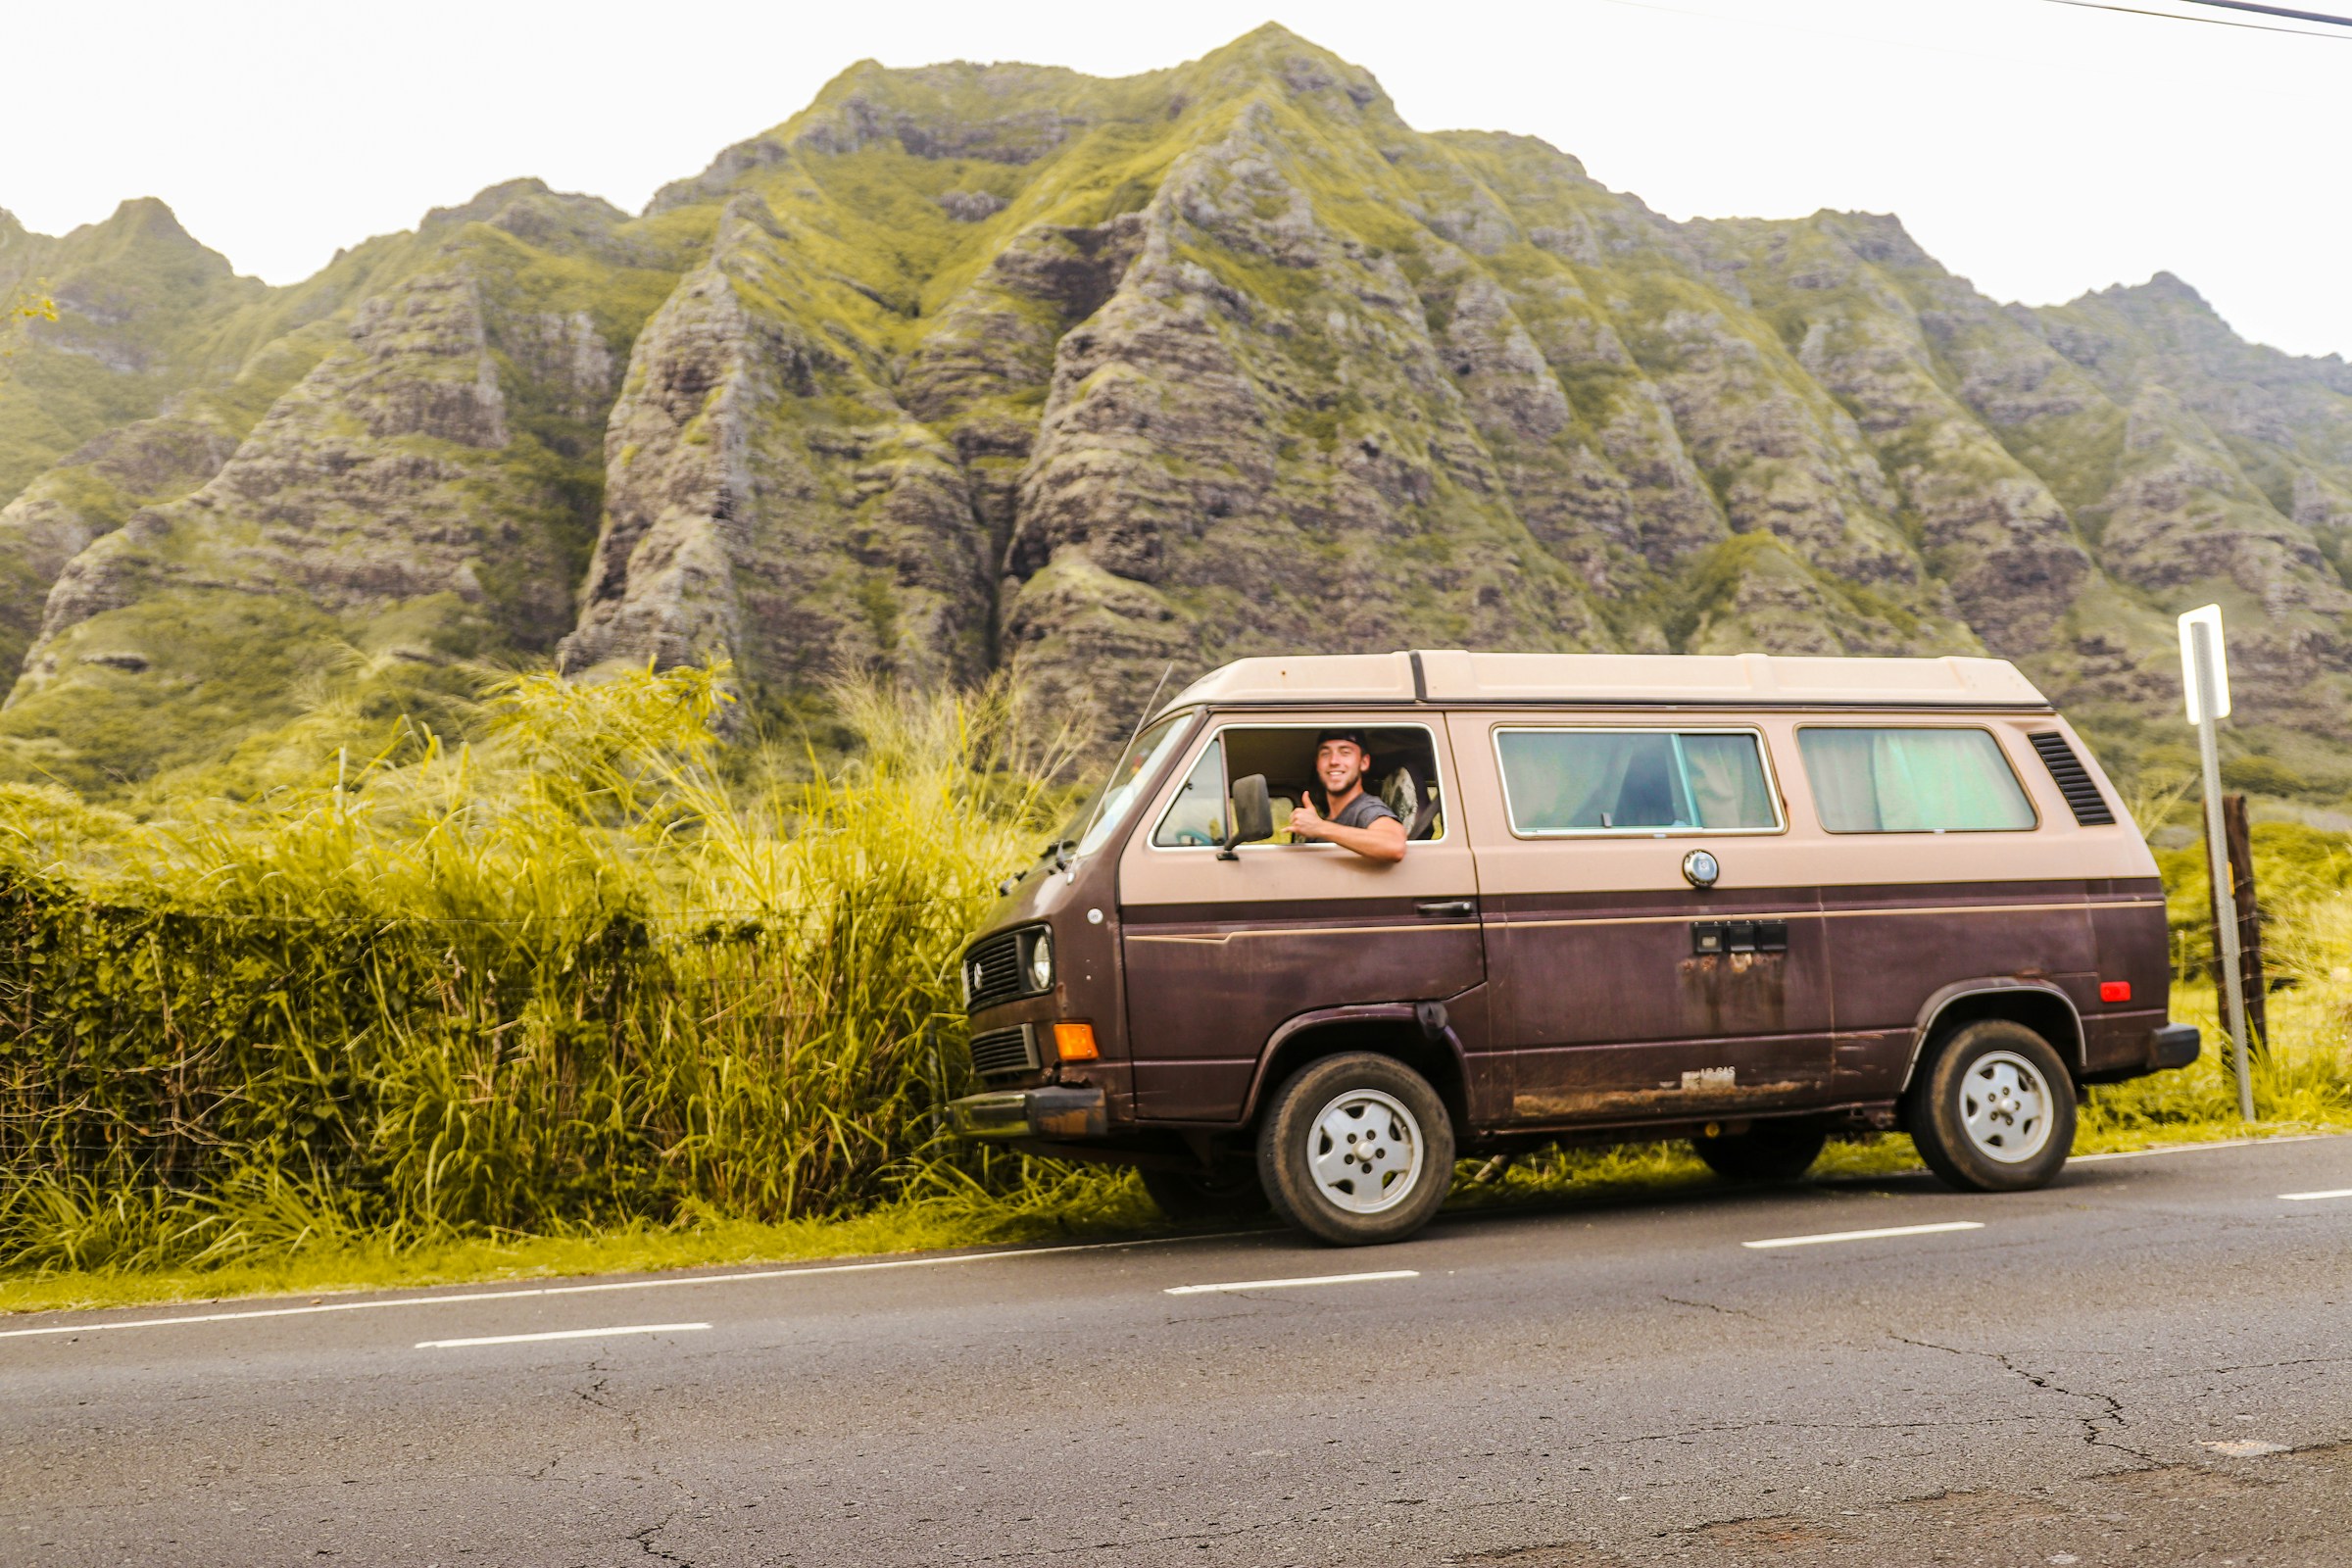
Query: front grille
point(992, 971)
point(1004, 1051)
point(2073, 779)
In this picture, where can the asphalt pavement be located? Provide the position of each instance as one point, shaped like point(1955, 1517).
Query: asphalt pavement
point(2146, 1363)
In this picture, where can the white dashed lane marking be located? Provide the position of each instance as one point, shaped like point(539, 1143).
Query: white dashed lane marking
point(2305, 1197)
point(1864, 1235)
point(659, 1283)
point(1290, 1285)
point(561, 1334)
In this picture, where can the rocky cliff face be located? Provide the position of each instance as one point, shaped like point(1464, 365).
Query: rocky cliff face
point(980, 366)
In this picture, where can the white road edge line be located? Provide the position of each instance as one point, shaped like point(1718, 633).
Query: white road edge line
point(1287, 1285)
point(1866, 1236)
point(2199, 1149)
point(2305, 1197)
point(561, 1334)
point(662, 1283)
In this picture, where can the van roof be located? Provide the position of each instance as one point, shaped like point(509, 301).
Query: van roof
point(1728, 680)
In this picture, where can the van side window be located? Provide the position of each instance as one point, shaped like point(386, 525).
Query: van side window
point(1198, 814)
point(1635, 781)
point(1911, 781)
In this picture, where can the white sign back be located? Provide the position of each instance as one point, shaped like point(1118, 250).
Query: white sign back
point(2208, 616)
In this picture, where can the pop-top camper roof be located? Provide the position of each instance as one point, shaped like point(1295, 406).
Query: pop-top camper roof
point(1696, 680)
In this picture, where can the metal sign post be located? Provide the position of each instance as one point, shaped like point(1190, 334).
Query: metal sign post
point(2206, 673)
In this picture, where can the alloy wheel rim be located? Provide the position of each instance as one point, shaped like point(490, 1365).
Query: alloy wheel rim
point(2005, 1107)
point(1365, 1151)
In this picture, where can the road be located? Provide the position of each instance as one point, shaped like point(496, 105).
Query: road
point(2146, 1363)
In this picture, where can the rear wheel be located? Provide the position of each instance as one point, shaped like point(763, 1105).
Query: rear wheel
point(1356, 1149)
point(1994, 1110)
point(1769, 1152)
point(1230, 1192)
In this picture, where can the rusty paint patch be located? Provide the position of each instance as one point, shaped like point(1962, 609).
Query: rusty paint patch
point(1670, 1097)
point(1739, 993)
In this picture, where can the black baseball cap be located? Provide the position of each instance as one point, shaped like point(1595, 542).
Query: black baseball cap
point(1362, 744)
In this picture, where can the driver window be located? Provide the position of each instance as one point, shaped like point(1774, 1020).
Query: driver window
point(1198, 814)
point(1403, 776)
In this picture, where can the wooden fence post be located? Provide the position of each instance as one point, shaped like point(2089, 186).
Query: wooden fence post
point(2233, 895)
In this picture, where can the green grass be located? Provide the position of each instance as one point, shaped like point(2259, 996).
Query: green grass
point(315, 1257)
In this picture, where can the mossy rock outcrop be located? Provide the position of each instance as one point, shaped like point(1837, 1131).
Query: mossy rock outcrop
point(972, 365)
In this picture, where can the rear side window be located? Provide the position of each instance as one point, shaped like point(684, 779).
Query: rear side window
point(1635, 781)
point(1911, 781)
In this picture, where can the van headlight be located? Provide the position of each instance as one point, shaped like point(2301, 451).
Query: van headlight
point(1041, 963)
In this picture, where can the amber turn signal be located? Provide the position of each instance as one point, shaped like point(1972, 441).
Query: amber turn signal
point(1075, 1042)
point(2115, 991)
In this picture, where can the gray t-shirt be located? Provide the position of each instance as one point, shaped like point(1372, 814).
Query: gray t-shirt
point(1364, 810)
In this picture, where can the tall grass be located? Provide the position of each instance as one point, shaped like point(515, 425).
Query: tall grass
point(2302, 1073)
point(576, 975)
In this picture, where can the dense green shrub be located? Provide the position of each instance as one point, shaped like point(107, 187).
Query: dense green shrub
point(572, 976)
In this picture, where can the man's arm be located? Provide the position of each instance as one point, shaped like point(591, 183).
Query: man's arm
point(1384, 839)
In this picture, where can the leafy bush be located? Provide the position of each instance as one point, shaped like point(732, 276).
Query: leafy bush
point(572, 977)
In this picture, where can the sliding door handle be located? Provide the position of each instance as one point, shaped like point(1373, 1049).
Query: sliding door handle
point(1447, 908)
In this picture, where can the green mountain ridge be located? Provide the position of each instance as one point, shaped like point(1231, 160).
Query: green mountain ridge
point(976, 365)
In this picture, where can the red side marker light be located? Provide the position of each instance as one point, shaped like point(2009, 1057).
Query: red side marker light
point(2115, 991)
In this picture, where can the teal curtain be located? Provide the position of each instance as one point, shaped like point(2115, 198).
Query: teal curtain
point(1911, 781)
point(1725, 779)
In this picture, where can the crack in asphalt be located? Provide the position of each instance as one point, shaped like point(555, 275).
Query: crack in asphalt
point(1715, 1307)
point(2097, 1430)
point(645, 1538)
point(594, 1394)
point(1801, 1426)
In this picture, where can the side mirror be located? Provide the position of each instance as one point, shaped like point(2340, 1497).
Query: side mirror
point(1253, 815)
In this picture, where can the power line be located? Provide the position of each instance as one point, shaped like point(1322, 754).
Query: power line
point(2215, 22)
point(2276, 11)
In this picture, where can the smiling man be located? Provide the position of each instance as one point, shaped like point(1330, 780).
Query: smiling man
point(1357, 819)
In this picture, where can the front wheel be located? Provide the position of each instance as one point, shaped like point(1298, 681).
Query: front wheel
point(1994, 1110)
point(1356, 1150)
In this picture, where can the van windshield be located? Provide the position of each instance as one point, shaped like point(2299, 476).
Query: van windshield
point(1107, 806)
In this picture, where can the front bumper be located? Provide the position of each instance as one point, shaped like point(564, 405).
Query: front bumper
point(2176, 1045)
point(1075, 1111)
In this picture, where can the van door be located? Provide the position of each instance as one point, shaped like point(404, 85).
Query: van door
point(1220, 953)
point(1628, 992)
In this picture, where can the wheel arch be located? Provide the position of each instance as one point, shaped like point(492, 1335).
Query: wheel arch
point(1386, 1028)
point(2040, 1006)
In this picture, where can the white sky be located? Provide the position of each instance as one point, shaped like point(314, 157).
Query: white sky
point(2035, 147)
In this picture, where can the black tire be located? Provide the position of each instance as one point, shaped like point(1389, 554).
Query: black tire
point(1318, 1186)
point(1984, 1078)
point(1230, 1192)
point(1769, 1152)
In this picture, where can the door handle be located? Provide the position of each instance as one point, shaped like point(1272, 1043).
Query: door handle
point(1447, 908)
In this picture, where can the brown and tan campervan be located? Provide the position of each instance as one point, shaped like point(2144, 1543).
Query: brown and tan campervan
point(1749, 901)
